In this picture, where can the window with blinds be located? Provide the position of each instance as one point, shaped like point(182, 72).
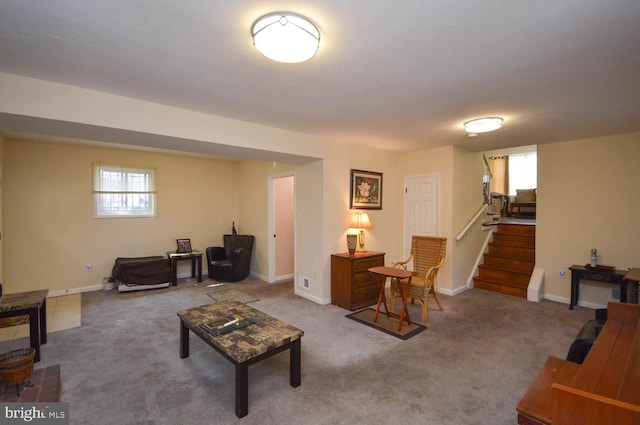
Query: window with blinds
point(123, 192)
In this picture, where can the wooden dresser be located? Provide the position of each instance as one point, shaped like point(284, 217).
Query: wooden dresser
point(604, 389)
point(352, 286)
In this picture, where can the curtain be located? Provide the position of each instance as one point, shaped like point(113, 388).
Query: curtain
point(499, 166)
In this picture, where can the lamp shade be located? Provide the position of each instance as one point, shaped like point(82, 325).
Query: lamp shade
point(286, 37)
point(360, 220)
point(483, 125)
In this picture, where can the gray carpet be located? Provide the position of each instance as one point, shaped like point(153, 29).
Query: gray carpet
point(472, 366)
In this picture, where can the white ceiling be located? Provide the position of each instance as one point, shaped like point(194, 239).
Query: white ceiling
point(397, 75)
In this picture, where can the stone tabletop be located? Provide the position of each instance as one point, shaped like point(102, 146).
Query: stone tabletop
point(22, 300)
point(264, 335)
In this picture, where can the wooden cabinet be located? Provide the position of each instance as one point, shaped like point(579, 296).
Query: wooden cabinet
point(352, 286)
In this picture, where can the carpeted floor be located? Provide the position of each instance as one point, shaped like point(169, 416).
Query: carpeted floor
point(471, 366)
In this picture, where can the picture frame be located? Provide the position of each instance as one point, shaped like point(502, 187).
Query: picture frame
point(184, 245)
point(366, 190)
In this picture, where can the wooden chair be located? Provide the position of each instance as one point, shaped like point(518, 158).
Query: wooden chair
point(428, 254)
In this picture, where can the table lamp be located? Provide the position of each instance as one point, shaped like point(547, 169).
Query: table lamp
point(360, 220)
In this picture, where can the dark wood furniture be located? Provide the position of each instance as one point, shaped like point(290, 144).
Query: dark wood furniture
point(604, 389)
point(606, 275)
point(196, 260)
point(515, 208)
point(34, 305)
point(352, 286)
point(633, 277)
point(243, 347)
point(382, 273)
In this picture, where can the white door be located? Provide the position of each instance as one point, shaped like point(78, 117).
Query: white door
point(421, 207)
point(281, 245)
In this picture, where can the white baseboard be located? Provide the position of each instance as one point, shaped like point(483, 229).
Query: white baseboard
point(75, 290)
point(535, 290)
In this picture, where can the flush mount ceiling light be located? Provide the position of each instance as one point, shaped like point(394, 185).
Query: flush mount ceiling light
point(483, 125)
point(286, 37)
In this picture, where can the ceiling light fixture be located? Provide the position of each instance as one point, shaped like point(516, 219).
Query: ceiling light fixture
point(483, 125)
point(286, 37)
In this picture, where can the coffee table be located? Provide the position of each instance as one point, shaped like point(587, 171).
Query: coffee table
point(33, 304)
point(243, 347)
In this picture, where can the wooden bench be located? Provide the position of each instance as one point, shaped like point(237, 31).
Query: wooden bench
point(605, 389)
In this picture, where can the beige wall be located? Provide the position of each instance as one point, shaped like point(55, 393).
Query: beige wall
point(588, 197)
point(460, 197)
point(50, 233)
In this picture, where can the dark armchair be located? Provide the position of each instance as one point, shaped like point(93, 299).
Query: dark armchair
point(230, 263)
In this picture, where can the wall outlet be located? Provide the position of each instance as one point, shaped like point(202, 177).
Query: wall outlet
point(562, 274)
point(89, 267)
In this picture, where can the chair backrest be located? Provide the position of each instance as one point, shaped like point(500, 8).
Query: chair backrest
point(427, 252)
point(233, 242)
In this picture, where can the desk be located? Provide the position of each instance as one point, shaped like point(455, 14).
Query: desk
point(382, 273)
point(194, 256)
point(613, 277)
point(243, 347)
point(33, 304)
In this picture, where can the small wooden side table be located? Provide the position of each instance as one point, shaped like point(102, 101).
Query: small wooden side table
point(382, 273)
point(194, 256)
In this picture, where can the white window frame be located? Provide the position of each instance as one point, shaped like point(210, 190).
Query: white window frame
point(120, 192)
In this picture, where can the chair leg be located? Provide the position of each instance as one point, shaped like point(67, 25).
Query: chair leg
point(425, 313)
point(435, 296)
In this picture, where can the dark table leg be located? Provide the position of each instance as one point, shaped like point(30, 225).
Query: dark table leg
point(242, 389)
point(43, 322)
point(184, 340)
point(295, 361)
point(623, 291)
point(34, 332)
point(193, 266)
point(575, 287)
point(199, 261)
point(174, 270)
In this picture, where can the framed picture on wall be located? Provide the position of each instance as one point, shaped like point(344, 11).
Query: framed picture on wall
point(184, 245)
point(366, 190)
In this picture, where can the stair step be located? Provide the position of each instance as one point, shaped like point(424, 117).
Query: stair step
point(503, 289)
point(512, 251)
point(504, 277)
point(520, 229)
point(509, 263)
point(510, 239)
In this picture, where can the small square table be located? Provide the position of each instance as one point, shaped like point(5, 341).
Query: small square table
point(243, 347)
point(33, 304)
point(194, 256)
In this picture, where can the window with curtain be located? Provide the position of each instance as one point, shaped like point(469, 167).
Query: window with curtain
point(523, 171)
point(123, 192)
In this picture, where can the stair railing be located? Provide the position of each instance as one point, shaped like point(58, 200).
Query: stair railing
point(470, 223)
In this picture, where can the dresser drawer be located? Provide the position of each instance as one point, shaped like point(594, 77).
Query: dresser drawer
point(364, 279)
point(366, 263)
point(366, 296)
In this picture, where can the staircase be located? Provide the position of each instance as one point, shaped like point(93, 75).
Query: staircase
point(509, 263)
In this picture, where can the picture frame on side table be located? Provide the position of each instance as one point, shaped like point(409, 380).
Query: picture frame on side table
point(366, 190)
point(184, 245)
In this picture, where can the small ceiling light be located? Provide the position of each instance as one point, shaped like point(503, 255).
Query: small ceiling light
point(286, 37)
point(483, 125)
